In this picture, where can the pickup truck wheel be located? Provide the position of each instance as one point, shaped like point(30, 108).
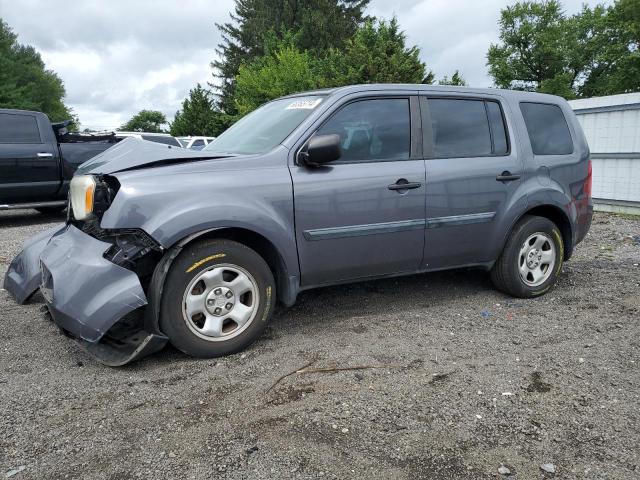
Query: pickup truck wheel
point(51, 210)
point(531, 260)
point(217, 299)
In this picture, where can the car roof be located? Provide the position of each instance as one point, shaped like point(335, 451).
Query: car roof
point(19, 111)
point(516, 94)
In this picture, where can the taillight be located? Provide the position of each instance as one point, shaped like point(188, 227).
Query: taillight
point(588, 181)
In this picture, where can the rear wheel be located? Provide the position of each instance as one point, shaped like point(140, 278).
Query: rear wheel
point(531, 260)
point(217, 299)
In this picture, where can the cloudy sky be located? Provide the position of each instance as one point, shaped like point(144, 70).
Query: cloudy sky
point(117, 57)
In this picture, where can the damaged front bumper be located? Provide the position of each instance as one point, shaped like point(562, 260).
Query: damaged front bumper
point(86, 294)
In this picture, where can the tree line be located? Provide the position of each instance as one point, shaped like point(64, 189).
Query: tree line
point(272, 48)
point(320, 44)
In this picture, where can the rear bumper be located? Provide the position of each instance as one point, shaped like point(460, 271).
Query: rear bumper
point(85, 293)
point(583, 221)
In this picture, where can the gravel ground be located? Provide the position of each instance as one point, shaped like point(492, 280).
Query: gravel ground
point(469, 380)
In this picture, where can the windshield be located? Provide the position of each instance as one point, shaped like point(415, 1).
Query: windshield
point(266, 127)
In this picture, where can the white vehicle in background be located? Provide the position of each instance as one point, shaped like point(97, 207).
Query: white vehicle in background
point(195, 143)
point(164, 138)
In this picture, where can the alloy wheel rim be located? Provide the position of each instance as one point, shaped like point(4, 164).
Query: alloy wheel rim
point(220, 302)
point(536, 259)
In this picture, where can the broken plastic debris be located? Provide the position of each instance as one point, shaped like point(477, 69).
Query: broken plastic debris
point(15, 471)
point(548, 467)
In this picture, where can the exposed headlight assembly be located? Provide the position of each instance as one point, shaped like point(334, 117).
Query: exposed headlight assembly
point(81, 191)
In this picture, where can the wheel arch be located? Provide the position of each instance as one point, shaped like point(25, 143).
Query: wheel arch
point(287, 284)
point(558, 216)
point(286, 290)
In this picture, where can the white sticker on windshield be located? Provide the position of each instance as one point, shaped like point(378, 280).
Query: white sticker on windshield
point(304, 104)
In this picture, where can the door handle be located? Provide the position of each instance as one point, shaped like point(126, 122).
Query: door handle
point(404, 184)
point(44, 155)
point(506, 176)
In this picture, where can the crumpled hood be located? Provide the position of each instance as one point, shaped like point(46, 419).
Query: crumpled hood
point(133, 152)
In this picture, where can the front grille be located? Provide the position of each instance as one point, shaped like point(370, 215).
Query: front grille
point(133, 235)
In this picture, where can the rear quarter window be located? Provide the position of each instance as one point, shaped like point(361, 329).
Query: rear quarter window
point(547, 128)
point(16, 128)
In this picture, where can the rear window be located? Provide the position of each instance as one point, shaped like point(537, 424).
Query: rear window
point(547, 128)
point(15, 128)
point(162, 139)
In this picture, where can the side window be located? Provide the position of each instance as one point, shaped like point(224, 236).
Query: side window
point(498, 130)
point(165, 140)
point(15, 128)
point(372, 130)
point(547, 128)
point(460, 128)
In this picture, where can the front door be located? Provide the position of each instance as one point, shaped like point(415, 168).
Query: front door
point(363, 215)
point(472, 171)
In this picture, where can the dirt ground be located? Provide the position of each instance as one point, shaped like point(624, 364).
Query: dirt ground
point(468, 380)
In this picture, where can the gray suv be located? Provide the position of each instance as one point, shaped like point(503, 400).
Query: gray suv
point(196, 247)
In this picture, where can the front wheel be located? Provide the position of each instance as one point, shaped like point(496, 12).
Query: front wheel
point(531, 260)
point(217, 298)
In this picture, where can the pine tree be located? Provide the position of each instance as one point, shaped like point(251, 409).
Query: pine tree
point(456, 79)
point(318, 25)
point(198, 115)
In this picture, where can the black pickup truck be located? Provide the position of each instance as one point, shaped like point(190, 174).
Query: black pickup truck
point(38, 159)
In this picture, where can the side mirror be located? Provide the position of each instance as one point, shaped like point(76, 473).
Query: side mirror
point(323, 149)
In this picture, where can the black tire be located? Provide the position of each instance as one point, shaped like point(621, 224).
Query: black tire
point(51, 210)
point(193, 261)
point(505, 272)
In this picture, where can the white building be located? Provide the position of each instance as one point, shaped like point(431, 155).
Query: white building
point(612, 127)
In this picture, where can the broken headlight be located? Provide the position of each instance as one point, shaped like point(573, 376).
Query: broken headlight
point(90, 196)
point(81, 193)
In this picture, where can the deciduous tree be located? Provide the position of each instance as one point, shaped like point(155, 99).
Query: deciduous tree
point(533, 47)
point(595, 52)
point(25, 82)
point(145, 121)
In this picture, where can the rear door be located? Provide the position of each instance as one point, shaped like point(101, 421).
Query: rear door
point(472, 172)
point(29, 163)
point(363, 215)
